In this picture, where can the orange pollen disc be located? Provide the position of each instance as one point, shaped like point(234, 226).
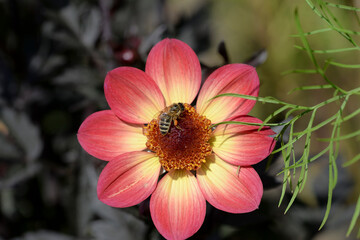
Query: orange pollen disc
point(185, 145)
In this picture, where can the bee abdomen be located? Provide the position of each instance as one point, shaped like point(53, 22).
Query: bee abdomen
point(164, 127)
point(164, 123)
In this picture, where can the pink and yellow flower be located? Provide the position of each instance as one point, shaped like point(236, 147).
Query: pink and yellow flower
point(199, 163)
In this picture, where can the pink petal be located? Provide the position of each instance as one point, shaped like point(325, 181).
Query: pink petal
point(231, 78)
point(105, 136)
point(133, 95)
point(176, 69)
point(128, 179)
point(243, 145)
point(228, 191)
point(177, 206)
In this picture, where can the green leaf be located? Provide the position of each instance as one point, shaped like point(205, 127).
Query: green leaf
point(342, 6)
point(347, 136)
point(351, 115)
point(313, 32)
point(286, 157)
point(247, 123)
point(313, 87)
point(352, 161)
point(259, 99)
point(327, 51)
point(343, 65)
point(354, 218)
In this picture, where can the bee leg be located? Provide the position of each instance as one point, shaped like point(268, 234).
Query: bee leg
point(176, 124)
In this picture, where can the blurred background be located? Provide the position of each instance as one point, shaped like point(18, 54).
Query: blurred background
point(54, 55)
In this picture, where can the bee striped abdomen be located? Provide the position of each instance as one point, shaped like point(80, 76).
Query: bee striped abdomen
point(164, 123)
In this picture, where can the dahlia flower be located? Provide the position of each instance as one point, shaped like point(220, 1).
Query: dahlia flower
point(196, 162)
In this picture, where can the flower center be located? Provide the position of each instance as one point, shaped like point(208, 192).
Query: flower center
point(179, 137)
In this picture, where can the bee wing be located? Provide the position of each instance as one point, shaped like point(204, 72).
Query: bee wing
point(157, 115)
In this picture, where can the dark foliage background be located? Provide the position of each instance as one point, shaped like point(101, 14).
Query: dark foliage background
point(54, 56)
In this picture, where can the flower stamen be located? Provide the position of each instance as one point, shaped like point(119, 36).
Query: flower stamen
point(186, 144)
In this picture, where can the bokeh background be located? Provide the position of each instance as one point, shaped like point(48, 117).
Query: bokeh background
point(54, 55)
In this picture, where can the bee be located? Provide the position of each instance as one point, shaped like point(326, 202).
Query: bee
point(169, 115)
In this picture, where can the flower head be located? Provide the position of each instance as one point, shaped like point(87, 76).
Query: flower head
point(152, 129)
